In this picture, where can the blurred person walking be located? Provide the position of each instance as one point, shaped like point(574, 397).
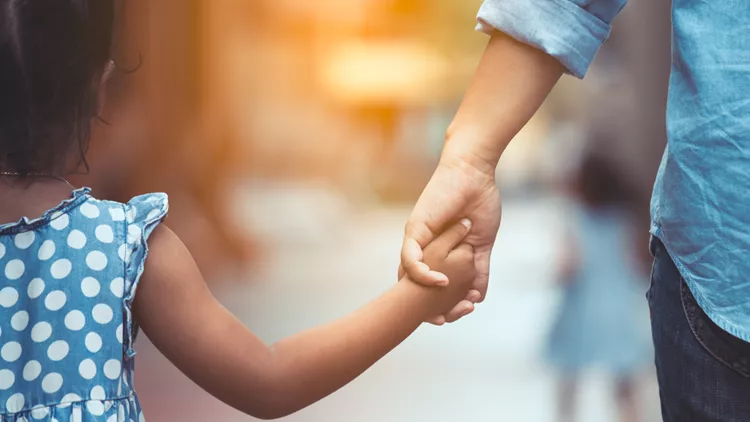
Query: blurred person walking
point(603, 320)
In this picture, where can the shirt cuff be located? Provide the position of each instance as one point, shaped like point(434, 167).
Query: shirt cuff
point(560, 28)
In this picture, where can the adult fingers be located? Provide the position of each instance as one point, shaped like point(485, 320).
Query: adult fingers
point(482, 263)
point(473, 296)
point(437, 320)
point(459, 311)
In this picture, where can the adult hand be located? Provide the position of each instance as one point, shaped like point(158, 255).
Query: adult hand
point(458, 189)
point(509, 85)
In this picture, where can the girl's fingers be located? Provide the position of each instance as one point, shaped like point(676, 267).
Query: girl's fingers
point(418, 271)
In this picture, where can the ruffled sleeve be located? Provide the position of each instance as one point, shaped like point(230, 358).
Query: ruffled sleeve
point(142, 215)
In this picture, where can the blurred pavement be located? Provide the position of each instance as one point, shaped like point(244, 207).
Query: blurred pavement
point(484, 368)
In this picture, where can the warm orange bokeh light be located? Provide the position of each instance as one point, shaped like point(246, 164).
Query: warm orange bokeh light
point(384, 72)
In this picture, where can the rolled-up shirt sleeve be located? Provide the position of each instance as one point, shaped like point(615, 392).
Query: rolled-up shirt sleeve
point(569, 30)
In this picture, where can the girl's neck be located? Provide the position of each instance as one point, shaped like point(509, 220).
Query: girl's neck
point(29, 197)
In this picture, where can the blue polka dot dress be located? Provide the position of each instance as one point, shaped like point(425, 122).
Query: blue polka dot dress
point(67, 284)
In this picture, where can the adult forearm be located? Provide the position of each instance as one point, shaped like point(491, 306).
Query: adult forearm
point(510, 84)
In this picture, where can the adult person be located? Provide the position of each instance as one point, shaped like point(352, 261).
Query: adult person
point(700, 296)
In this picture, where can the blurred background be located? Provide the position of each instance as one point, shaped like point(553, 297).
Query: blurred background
point(293, 137)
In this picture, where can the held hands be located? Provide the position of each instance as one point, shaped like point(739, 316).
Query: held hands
point(450, 255)
point(458, 188)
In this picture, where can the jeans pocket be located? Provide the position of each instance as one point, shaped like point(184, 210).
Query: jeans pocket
point(727, 349)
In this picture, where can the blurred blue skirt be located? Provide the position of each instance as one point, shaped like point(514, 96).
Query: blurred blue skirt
point(606, 330)
point(603, 320)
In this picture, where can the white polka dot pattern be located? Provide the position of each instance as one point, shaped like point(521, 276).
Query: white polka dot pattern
point(58, 350)
point(7, 379)
point(14, 269)
point(8, 297)
point(55, 300)
point(20, 321)
point(15, 403)
point(32, 370)
point(41, 332)
point(47, 250)
point(96, 260)
point(76, 239)
point(24, 240)
point(61, 268)
point(95, 407)
point(130, 215)
point(39, 412)
point(122, 252)
point(105, 234)
point(52, 383)
point(112, 369)
point(59, 221)
point(90, 287)
point(117, 287)
point(134, 233)
point(75, 320)
point(90, 210)
point(97, 393)
point(87, 369)
point(36, 288)
point(117, 214)
point(70, 398)
point(102, 313)
point(153, 214)
point(65, 286)
point(11, 351)
point(93, 342)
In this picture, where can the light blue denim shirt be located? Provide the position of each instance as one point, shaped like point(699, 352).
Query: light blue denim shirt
point(701, 204)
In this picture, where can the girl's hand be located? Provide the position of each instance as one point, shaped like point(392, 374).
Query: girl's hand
point(457, 189)
point(450, 255)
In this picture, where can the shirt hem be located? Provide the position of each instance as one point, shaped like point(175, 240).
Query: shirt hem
point(723, 323)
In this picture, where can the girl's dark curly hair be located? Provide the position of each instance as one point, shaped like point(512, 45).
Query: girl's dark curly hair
point(601, 185)
point(53, 54)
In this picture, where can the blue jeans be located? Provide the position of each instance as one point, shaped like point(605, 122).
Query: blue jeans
point(703, 372)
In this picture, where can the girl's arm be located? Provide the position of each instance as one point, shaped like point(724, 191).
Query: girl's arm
point(207, 343)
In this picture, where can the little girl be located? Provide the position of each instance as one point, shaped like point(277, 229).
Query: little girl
point(76, 284)
point(603, 321)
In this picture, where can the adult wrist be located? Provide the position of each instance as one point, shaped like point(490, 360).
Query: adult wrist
point(467, 152)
